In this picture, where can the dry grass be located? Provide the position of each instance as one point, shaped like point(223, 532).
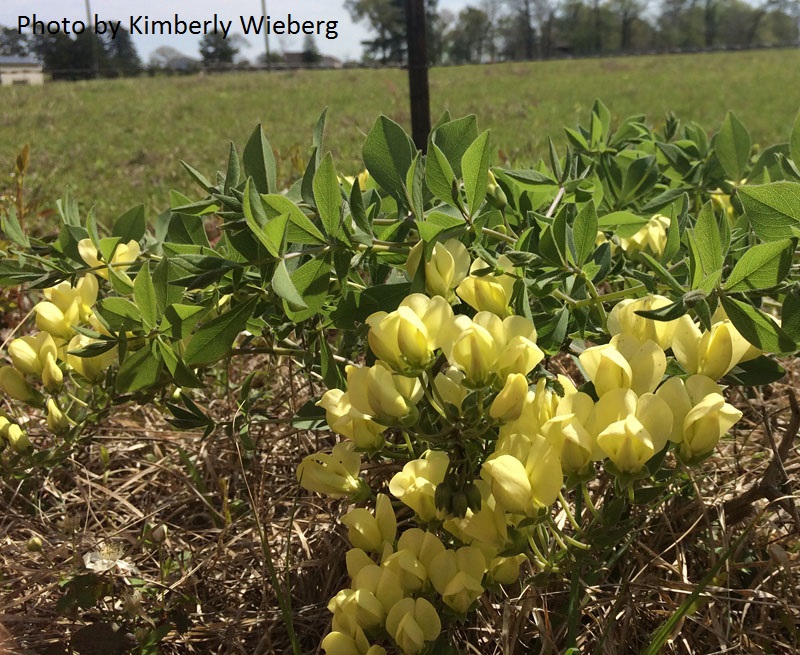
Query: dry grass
point(130, 477)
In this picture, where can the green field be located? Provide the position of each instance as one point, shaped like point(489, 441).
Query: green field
point(118, 143)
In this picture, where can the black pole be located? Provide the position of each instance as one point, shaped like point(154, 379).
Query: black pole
point(418, 73)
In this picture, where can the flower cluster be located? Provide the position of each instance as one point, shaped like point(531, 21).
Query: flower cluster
point(489, 437)
point(45, 356)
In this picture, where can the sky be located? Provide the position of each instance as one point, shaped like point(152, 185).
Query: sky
point(347, 44)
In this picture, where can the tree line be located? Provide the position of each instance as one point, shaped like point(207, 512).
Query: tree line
point(509, 30)
point(491, 30)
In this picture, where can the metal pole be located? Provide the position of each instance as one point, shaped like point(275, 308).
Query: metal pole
point(266, 33)
point(419, 95)
point(93, 37)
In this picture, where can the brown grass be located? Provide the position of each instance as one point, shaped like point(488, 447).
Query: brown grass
point(129, 477)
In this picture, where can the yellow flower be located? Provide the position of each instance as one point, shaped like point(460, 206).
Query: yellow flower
point(622, 319)
point(370, 532)
point(628, 429)
point(447, 267)
point(84, 294)
point(124, 255)
point(492, 292)
point(415, 485)
point(505, 570)
point(347, 421)
point(624, 363)
point(377, 392)
point(361, 606)
point(627, 444)
point(382, 582)
point(713, 353)
point(13, 384)
point(449, 388)
point(701, 414)
point(509, 481)
point(538, 408)
point(92, 368)
point(456, 575)
point(50, 318)
point(651, 238)
point(29, 353)
point(412, 622)
point(508, 404)
point(406, 338)
point(57, 421)
point(334, 474)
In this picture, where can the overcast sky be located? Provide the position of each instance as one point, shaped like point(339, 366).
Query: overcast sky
point(347, 45)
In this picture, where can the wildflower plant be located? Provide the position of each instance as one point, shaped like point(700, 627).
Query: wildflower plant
point(498, 340)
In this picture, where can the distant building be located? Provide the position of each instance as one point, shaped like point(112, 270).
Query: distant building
point(20, 70)
point(296, 60)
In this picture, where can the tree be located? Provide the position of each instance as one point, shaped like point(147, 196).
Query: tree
point(12, 43)
point(217, 51)
point(388, 20)
point(520, 32)
point(469, 37)
point(122, 58)
point(310, 54)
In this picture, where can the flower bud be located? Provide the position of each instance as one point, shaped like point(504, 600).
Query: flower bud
point(57, 422)
point(52, 376)
point(17, 438)
point(449, 388)
point(28, 352)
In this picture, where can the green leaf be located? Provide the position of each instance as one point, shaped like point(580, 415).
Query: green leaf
point(756, 372)
point(758, 328)
point(453, 138)
point(387, 154)
point(198, 177)
point(623, 223)
point(584, 233)
point(708, 241)
point(414, 183)
point(475, 168)
point(328, 196)
point(257, 221)
point(772, 209)
point(319, 133)
point(131, 226)
point(259, 161)
point(179, 319)
point(144, 294)
point(439, 175)
point(790, 314)
point(312, 281)
point(232, 173)
point(139, 370)
point(732, 146)
point(300, 228)
point(283, 286)
point(214, 339)
point(640, 176)
point(794, 141)
point(13, 230)
point(762, 266)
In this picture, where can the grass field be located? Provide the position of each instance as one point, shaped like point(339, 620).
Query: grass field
point(118, 143)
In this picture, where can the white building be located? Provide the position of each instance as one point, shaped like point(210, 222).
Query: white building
point(20, 70)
